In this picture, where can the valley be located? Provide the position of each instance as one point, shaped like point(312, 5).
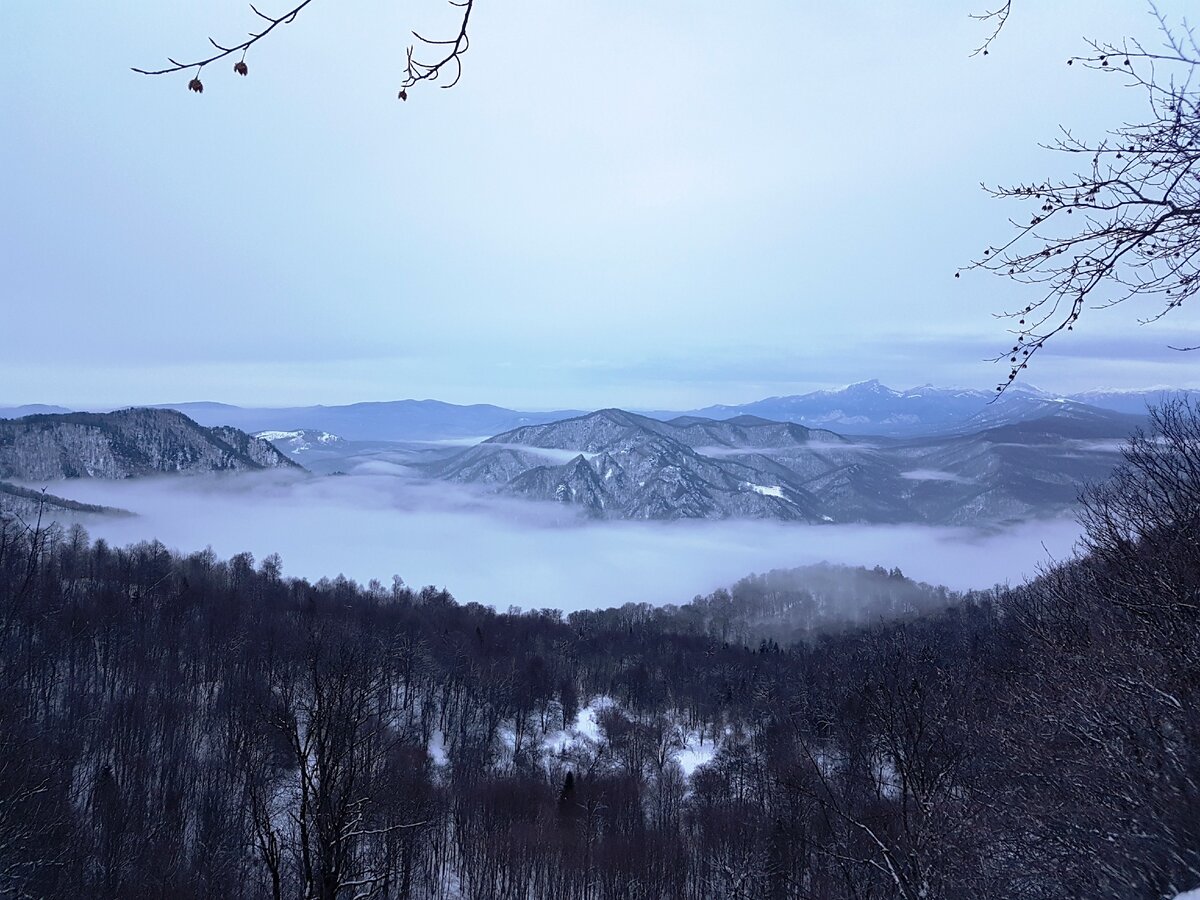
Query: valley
point(600, 451)
point(573, 511)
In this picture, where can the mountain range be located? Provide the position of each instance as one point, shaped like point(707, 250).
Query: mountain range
point(950, 459)
point(618, 464)
point(865, 408)
point(872, 408)
point(396, 420)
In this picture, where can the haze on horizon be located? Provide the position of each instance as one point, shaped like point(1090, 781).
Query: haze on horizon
point(649, 206)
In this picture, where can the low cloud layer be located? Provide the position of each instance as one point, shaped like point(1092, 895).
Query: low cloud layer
point(504, 552)
point(933, 475)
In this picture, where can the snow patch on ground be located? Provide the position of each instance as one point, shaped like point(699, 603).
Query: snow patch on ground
point(437, 748)
point(584, 735)
point(767, 491)
point(694, 754)
point(582, 743)
point(563, 742)
point(586, 724)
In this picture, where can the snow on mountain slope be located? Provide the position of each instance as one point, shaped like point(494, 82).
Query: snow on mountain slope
point(617, 464)
point(299, 441)
point(630, 466)
point(125, 444)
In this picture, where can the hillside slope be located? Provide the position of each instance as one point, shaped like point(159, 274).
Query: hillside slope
point(617, 464)
point(125, 444)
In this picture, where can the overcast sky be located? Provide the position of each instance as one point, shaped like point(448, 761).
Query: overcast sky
point(653, 204)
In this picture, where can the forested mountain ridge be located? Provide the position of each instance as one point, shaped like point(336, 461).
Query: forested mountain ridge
point(186, 727)
point(30, 504)
point(124, 444)
point(617, 464)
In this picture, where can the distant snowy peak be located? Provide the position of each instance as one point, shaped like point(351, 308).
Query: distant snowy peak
point(872, 388)
point(300, 440)
point(873, 408)
point(320, 437)
point(1134, 401)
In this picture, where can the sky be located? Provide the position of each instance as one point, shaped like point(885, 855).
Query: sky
point(643, 204)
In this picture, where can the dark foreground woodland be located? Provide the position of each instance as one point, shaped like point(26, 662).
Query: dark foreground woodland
point(179, 726)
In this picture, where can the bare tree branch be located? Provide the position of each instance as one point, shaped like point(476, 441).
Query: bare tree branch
point(240, 67)
point(1128, 223)
point(999, 18)
point(420, 71)
point(415, 70)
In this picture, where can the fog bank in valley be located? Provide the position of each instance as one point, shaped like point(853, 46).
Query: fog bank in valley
point(504, 552)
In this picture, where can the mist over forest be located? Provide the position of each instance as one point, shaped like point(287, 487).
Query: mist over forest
point(504, 552)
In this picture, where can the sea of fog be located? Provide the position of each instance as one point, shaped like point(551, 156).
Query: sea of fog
point(504, 552)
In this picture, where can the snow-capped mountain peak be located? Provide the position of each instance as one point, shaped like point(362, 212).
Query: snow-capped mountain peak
point(300, 440)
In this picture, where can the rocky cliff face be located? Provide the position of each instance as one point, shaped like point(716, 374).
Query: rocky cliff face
point(262, 453)
point(125, 444)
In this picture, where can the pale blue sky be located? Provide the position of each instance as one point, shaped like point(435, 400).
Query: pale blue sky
point(654, 204)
